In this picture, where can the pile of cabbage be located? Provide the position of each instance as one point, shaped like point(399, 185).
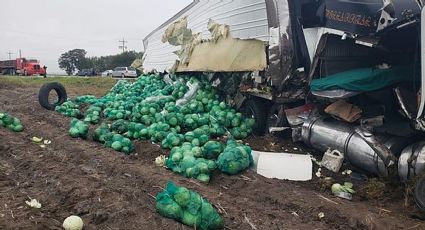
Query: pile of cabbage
point(181, 113)
point(10, 122)
point(187, 207)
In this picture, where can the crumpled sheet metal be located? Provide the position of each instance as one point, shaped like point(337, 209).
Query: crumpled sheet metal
point(177, 33)
point(137, 64)
point(227, 55)
point(218, 30)
point(221, 53)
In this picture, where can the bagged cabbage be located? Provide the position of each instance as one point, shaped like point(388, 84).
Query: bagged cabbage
point(120, 126)
point(86, 99)
point(10, 122)
point(69, 109)
point(187, 207)
point(101, 132)
point(212, 149)
point(235, 158)
point(134, 130)
point(172, 140)
point(93, 114)
point(78, 129)
point(187, 160)
point(119, 143)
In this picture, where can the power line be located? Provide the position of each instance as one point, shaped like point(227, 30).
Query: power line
point(123, 46)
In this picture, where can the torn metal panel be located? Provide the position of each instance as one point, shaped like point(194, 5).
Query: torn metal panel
point(280, 49)
point(177, 33)
point(227, 55)
point(221, 53)
point(218, 30)
point(246, 20)
point(137, 64)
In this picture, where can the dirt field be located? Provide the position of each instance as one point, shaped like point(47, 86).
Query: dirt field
point(112, 191)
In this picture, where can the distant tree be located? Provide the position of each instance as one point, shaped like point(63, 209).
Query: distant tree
point(76, 60)
point(73, 60)
point(100, 64)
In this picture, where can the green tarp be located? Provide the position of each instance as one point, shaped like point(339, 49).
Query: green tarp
point(366, 79)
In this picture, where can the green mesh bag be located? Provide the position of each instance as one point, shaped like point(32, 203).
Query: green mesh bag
point(134, 130)
point(69, 109)
point(235, 158)
point(78, 129)
point(186, 160)
point(172, 140)
point(93, 114)
point(212, 149)
point(120, 126)
point(188, 207)
point(101, 132)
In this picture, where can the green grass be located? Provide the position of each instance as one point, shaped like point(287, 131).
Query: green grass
point(97, 86)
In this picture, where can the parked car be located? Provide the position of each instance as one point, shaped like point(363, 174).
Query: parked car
point(86, 72)
point(124, 72)
point(106, 73)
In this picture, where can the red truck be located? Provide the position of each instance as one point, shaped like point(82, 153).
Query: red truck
point(22, 66)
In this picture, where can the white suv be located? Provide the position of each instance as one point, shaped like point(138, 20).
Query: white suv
point(124, 72)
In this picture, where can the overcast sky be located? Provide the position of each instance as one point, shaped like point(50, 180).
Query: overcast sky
point(45, 29)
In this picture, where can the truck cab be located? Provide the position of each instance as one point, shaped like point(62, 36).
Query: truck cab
point(29, 67)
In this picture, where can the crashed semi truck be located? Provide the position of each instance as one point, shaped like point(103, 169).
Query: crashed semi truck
point(341, 75)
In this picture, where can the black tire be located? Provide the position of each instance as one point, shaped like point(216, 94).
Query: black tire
point(419, 193)
point(256, 108)
point(43, 95)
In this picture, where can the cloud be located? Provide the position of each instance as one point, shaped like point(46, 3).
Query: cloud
point(45, 29)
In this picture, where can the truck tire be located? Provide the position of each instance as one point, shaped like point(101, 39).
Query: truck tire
point(256, 108)
point(43, 95)
point(419, 193)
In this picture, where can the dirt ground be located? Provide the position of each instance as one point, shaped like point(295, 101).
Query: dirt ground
point(112, 191)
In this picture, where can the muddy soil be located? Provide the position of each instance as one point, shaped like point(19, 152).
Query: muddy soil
point(112, 191)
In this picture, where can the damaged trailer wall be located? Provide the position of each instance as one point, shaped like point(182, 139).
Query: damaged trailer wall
point(247, 19)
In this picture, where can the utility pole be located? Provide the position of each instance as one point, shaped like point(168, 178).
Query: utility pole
point(123, 46)
point(10, 55)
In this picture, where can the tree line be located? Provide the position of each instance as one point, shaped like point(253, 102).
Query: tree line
point(75, 60)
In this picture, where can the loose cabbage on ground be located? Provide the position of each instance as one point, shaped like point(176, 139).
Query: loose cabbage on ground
point(188, 207)
point(10, 122)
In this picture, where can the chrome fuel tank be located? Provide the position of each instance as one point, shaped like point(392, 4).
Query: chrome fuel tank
point(323, 134)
